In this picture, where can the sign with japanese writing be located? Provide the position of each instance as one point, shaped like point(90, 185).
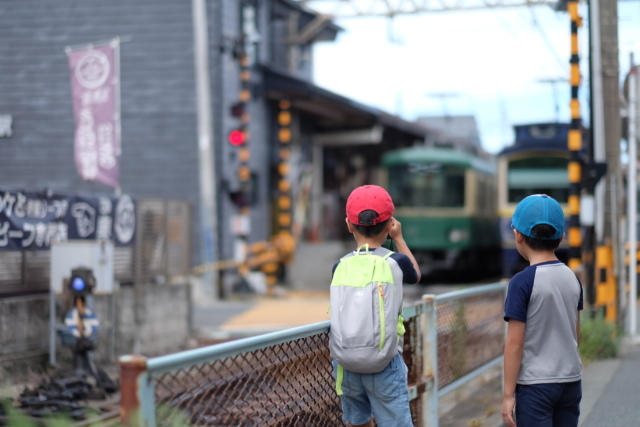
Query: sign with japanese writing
point(95, 86)
point(31, 221)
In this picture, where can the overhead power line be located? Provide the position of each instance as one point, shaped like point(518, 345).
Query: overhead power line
point(552, 47)
point(390, 8)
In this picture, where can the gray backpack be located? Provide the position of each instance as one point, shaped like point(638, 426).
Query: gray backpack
point(365, 308)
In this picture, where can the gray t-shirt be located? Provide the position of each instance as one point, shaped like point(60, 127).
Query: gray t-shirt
point(547, 297)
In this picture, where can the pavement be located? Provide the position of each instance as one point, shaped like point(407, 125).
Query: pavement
point(611, 388)
point(255, 315)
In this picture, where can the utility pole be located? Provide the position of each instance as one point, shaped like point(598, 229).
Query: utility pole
point(609, 198)
point(591, 214)
point(632, 208)
point(207, 174)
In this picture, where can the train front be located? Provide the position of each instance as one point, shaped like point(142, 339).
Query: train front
point(445, 200)
point(535, 164)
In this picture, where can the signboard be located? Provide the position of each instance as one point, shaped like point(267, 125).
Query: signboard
point(33, 220)
point(90, 324)
point(95, 85)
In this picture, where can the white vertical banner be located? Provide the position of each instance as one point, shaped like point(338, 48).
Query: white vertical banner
point(95, 87)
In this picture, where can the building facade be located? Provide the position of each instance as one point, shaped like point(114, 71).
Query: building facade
point(257, 61)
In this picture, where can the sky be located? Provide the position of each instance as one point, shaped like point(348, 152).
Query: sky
point(505, 66)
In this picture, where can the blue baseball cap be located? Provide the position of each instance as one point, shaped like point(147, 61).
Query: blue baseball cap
point(538, 209)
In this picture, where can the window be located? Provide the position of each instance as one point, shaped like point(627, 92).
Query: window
point(538, 175)
point(427, 185)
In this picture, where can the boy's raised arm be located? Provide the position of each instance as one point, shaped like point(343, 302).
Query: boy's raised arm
point(395, 233)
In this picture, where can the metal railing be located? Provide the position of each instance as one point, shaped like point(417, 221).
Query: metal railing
point(285, 378)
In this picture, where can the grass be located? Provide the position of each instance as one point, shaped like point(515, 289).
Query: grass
point(599, 339)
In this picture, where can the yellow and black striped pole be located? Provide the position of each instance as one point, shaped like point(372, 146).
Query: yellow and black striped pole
point(244, 171)
point(284, 185)
point(282, 237)
point(605, 284)
point(574, 142)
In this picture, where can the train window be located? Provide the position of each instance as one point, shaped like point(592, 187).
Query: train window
point(538, 175)
point(427, 185)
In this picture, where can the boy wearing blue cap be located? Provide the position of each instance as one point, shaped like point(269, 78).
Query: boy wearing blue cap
point(542, 366)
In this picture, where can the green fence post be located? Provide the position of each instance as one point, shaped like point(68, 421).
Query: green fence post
point(430, 361)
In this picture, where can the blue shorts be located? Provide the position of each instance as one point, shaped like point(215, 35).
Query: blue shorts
point(548, 405)
point(383, 395)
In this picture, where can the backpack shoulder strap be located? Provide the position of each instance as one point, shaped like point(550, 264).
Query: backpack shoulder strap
point(383, 252)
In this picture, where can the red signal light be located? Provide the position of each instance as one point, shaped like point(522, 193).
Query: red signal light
point(237, 137)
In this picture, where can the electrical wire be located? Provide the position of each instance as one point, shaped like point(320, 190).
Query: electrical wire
point(534, 21)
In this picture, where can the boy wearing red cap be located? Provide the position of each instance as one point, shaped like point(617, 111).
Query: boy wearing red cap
point(380, 395)
point(542, 367)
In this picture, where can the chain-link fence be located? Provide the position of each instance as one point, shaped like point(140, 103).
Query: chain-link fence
point(470, 333)
point(283, 384)
point(285, 378)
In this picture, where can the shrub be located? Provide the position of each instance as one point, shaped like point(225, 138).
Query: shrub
point(599, 339)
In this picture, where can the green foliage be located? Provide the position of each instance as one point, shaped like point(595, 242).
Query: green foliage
point(174, 417)
point(170, 416)
point(599, 339)
point(16, 419)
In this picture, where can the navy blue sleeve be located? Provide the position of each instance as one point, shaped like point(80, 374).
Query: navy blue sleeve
point(581, 301)
point(333, 270)
point(409, 273)
point(519, 294)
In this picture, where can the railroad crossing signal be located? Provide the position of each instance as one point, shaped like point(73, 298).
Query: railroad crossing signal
point(82, 282)
point(238, 109)
point(237, 137)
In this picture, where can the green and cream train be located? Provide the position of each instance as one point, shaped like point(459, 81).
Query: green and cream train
point(446, 200)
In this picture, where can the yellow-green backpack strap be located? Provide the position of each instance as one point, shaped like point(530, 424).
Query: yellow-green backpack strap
point(339, 376)
point(400, 328)
point(364, 246)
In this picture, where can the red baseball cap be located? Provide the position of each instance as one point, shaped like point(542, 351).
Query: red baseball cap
point(369, 197)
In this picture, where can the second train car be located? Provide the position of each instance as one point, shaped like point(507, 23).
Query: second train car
point(446, 202)
point(536, 163)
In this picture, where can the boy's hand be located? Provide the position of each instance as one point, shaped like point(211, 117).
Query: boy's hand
point(508, 403)
point(395, 234)
point(396, 229)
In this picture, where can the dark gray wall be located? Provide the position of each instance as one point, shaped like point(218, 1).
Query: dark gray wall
point(159, 128)
point(224, 29)
point(164, 327)
point(158, 100)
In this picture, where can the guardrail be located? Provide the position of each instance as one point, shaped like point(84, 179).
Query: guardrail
point(285, 378)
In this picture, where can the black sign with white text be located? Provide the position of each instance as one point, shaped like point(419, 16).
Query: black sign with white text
point(32, 220)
